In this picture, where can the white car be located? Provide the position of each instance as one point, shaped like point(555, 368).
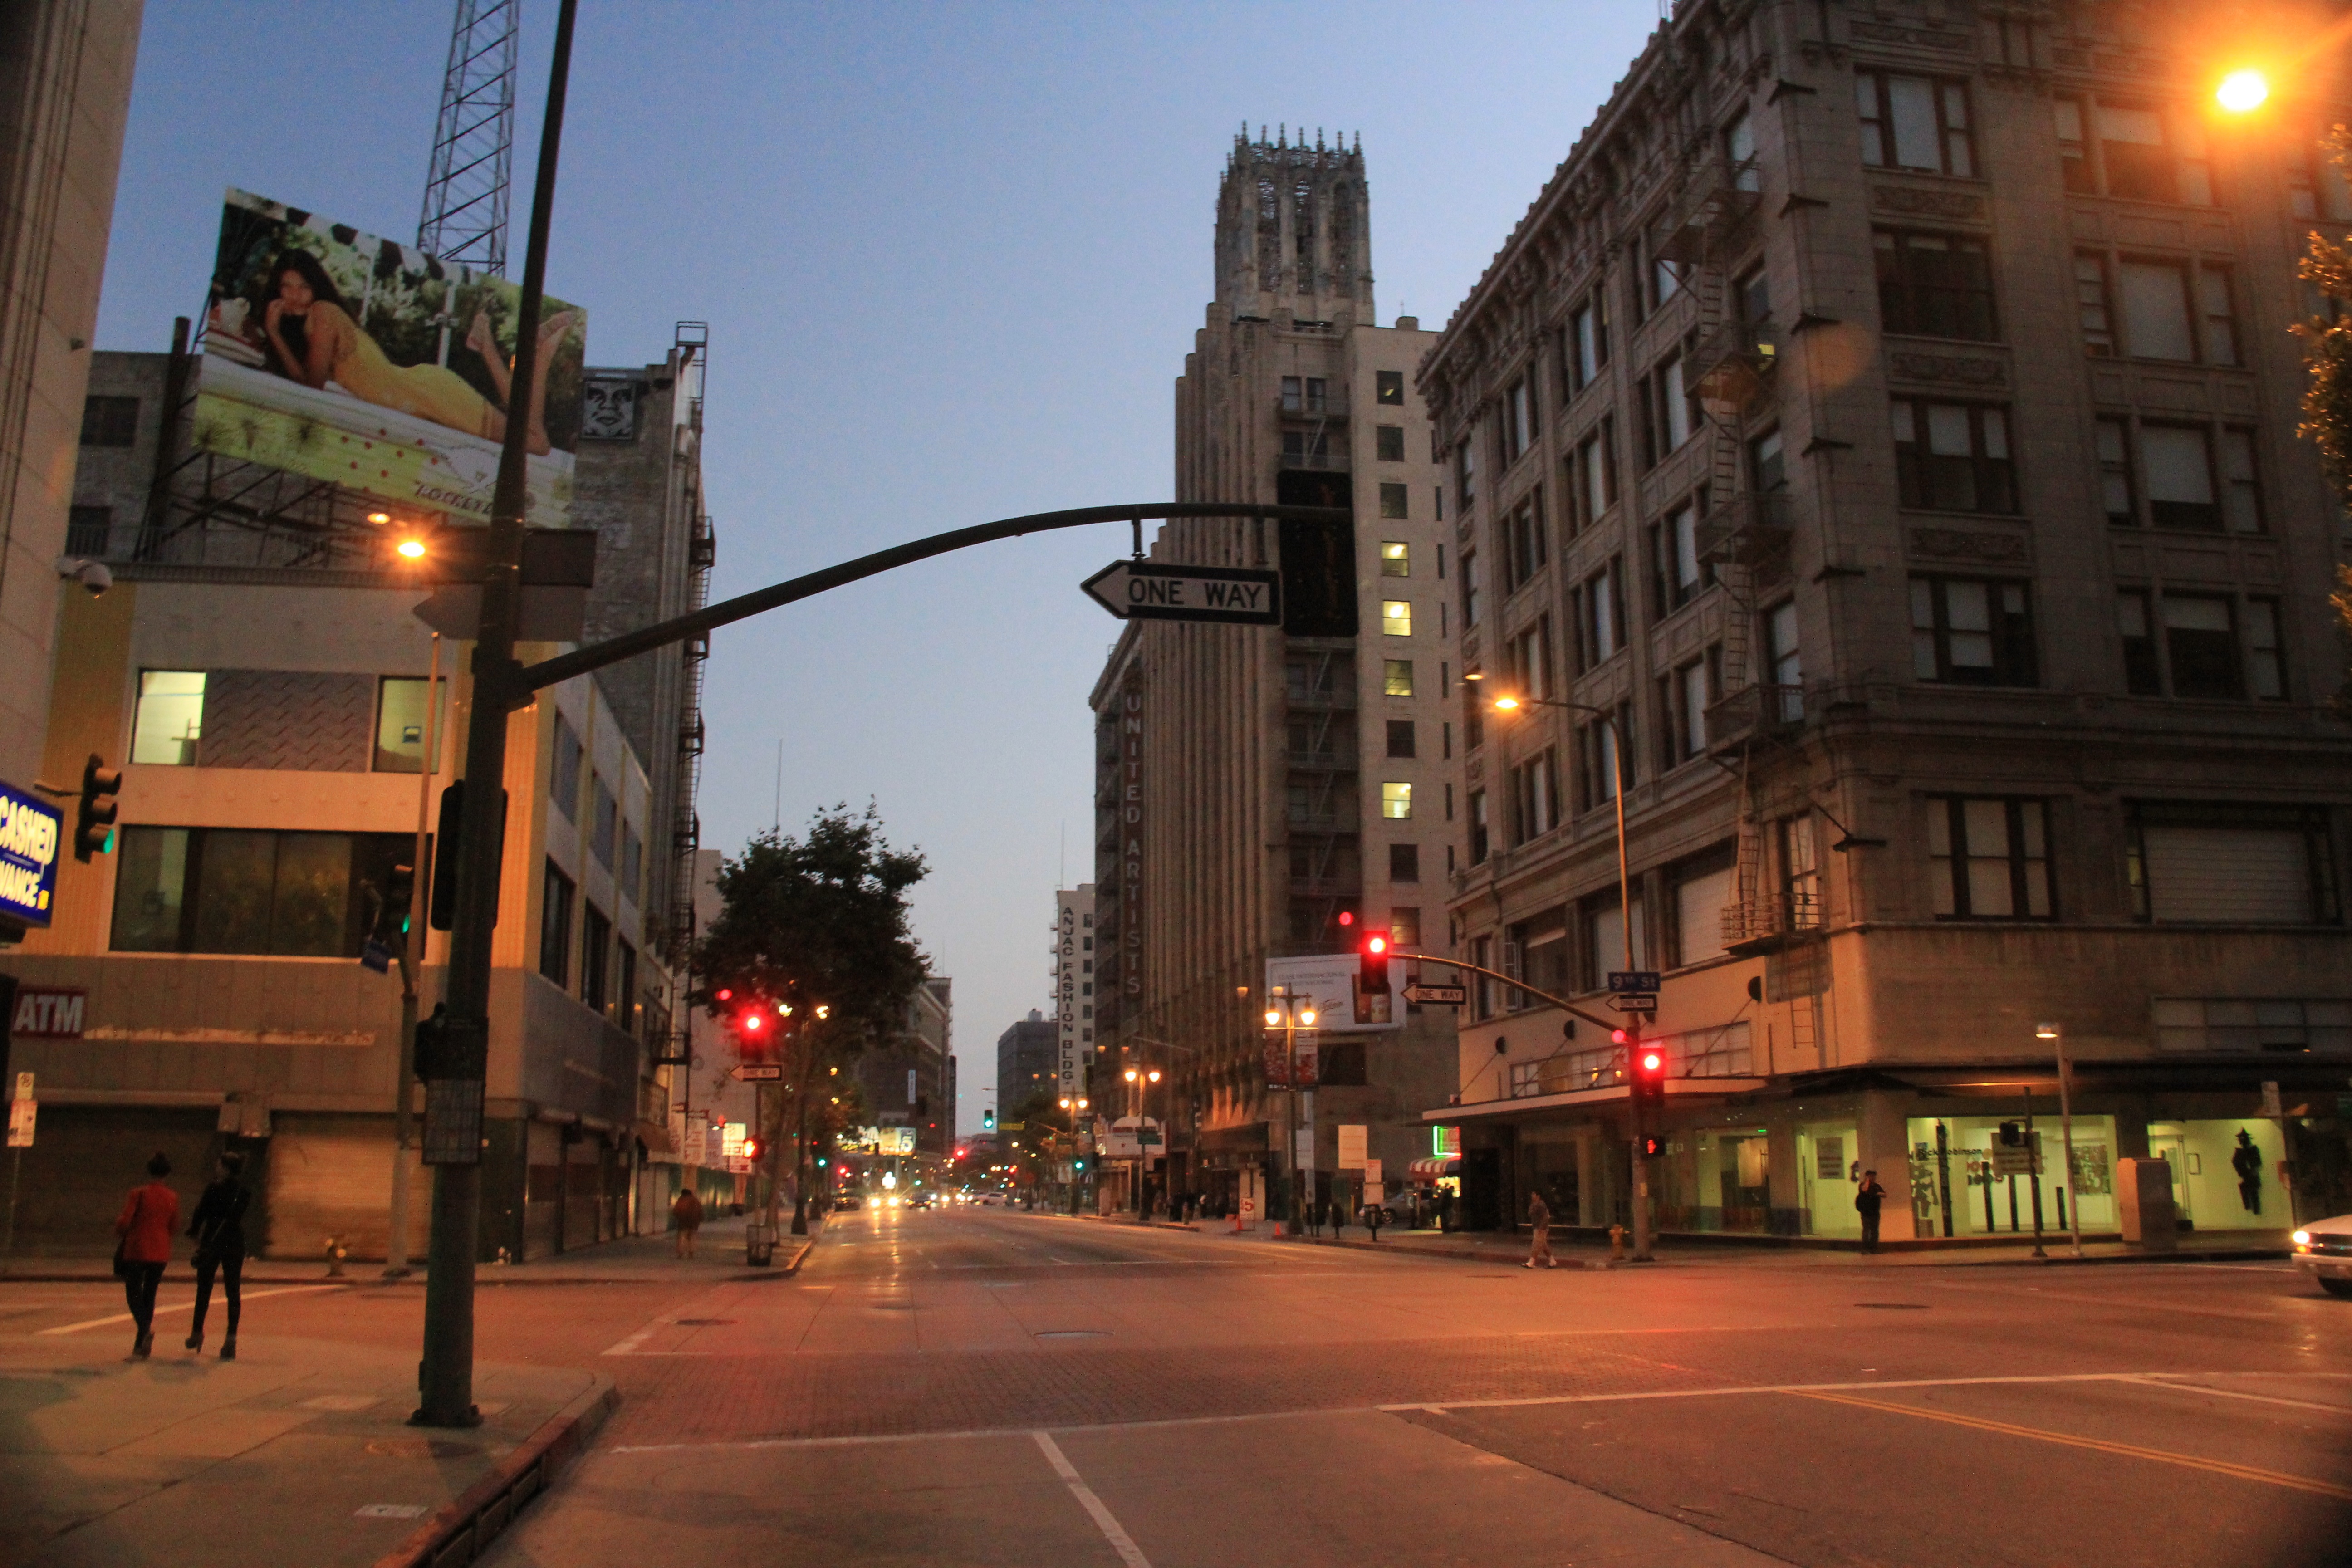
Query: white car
point(2323, 1250)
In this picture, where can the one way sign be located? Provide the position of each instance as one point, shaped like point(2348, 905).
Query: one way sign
point(1148, 591)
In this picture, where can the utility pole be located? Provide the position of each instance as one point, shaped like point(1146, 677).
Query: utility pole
point(412, 959)
point(445, 1374)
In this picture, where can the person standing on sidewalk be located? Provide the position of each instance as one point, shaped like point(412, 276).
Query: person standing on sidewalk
point(686, 1212)
point(1539, 1229)
point(1867, 1199)
point(218, 1228)
point(145, 1226)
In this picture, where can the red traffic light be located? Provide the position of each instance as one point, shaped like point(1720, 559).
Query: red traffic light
point(1347, 917)
point(1654, 1145)
point(723, 994)
point(751, 1148)
point(1619, 1037)
point(752, 1022)
point(1652, 1061)
point(1374, 962)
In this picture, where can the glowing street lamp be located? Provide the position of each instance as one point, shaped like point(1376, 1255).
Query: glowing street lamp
point(410, 549)
point(2244, 92)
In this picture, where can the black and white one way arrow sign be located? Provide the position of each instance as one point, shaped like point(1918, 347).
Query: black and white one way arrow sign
point(1147, 591)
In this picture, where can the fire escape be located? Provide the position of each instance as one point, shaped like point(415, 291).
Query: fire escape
point(691, 353)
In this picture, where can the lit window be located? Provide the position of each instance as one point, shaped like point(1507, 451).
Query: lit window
point(1396, 559)
point(1396, 800)
point(1397, 677)
point(171, 722)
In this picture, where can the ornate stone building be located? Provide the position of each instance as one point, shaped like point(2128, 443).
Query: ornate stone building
point(1884, 421)
point(1261, 795)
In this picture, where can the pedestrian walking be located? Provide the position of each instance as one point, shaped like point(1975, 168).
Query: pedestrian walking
point(1539, 1229)
point(218, 1228)
point(145, 1226)
point(1866, 1201)
point(686, 1213)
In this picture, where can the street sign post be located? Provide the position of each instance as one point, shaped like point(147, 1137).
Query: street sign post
point(757, 1072)
point(1634, 1002)
point(1632, 981)
point(1423, 993)
point(1148, 591)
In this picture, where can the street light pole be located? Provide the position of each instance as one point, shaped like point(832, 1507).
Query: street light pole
point(1508, 702)
point(446, 1370)
point(412, 959)
point(1291, 1014)
point(2057, 1038)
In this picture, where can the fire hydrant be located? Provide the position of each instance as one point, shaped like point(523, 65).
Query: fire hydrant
point(1616, 1244)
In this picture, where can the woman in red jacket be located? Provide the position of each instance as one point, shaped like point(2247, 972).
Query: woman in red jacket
point(145, 1226)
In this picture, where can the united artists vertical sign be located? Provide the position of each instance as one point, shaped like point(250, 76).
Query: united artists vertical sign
point(1130, 848)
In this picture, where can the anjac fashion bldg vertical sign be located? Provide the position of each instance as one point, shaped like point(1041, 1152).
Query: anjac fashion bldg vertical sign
point(32, 831)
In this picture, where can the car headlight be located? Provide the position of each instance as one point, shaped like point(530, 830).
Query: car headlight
point(2303, 1239)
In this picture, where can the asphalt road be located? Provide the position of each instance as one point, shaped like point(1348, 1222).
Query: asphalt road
point(978, 1386)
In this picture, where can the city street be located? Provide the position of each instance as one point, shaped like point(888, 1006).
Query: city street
point(989, 1387)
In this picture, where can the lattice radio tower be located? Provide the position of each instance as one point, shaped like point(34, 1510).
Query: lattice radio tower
point(465, 216)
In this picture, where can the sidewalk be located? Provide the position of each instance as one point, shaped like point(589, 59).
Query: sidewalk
point(1579, 1251)
point(630, 1260)
point(299, 1451)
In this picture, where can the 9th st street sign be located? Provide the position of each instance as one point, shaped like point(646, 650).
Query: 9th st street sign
point(1147, 591)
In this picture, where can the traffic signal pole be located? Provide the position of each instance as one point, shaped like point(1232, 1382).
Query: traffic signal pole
point(445, 1374)
point(412, 959)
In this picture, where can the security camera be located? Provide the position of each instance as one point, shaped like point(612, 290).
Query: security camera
point(92, 576)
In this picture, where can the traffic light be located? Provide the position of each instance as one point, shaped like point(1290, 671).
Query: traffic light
point(94, 820)
point(1647, 1068)
point(1653, 1145)
point(988, 1122)
point(753, 1147)
point(399, 898)
point(1375, 963)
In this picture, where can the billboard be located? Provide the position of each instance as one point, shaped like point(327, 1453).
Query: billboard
point(1329, 980)
point(341, 356)
point(31, 833)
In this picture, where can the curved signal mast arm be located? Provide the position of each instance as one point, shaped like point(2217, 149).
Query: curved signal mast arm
point(1568, 1007)
point(661, 634)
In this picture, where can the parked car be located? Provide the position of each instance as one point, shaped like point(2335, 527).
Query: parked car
point(848, 1201)
point(2323, 1250)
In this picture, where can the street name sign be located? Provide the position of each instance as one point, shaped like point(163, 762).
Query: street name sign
point(1150, 591)
point(1423, 993)
point(757, 1072)
point(1634, 1002)
point(1634, 981)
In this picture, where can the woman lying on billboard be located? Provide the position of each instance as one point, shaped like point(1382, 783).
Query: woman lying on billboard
point(312, 333)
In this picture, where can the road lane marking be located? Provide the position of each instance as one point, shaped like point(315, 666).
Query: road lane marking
point(2236, 1394)
point(189, 1307)
point(1120, 1543)
point(2097, 1445)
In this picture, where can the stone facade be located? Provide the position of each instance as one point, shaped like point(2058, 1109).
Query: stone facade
point(1985, 681)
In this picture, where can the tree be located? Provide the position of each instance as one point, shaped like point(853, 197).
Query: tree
point(2328, 401)
point(821, 920)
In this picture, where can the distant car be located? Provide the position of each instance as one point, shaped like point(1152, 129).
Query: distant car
point(2323, 1250)
point(918, 1200)
point(848, 1201)
point(987, 1200)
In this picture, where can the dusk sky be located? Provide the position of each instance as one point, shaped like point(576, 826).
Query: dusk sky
point(952, 257)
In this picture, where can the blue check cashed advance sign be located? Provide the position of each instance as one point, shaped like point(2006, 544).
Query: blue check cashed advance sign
point(32, 832)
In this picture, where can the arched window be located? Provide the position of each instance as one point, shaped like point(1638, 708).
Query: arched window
point(1269, 236)
point(1302, 227)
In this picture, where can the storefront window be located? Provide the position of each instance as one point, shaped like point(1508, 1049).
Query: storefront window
point(1734, 1177)
point(1955, 1190)
point(1829, 1169)
point(2224, 1173)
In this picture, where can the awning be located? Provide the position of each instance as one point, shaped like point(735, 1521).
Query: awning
point(1433, 1167)
point(1249, 1138)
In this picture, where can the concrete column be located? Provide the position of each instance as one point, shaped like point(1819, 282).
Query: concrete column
point(1884, 1148)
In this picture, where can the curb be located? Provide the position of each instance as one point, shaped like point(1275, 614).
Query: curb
point(457, 1534)
point(1463, 1255)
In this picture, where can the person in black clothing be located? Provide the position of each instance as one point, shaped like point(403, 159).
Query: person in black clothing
point(1866, 1201)
point(218, 1228)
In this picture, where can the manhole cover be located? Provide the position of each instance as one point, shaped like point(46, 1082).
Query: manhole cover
point(1071, 1334)
point(703, 1322)
point(420, 1448)
point(1894, 1306)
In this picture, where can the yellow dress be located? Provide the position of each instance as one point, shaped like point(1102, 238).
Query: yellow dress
point(426, 391)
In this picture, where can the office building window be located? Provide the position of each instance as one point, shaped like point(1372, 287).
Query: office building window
point(1400, 737)
point(1593, 481)
point(2155, 300)
point(2178, 461)
point(2116, 493)
point(1989, 859)
point(399, 723)
point(1767, 469)
point(1782, 660)
point(89, 529)
point(1396, 676)
point(1389, 387)
point(2092, 309)
point(555, 927)
point(1388, 443)
point(2201, 643)
point(604, 822)
point(233, 890)
point(1534, 796)
point(108, 421)
point(1678, 572)
point(1970, 632)
point(2137, 150)
point(1914, 122)
point(2183, 485)
point(169, 728)
point(633, 864)
point(1587, 341)
point(1396, 617)
point(1472, 580)
point(1396, 559)
point(1524, 548)
point(1478, 812)
point(1395, 503)
point(1528, 661)
point(564, 782)
point(1396, 801)
point(1954, 456)
point(1682, 699)
point(2142, 675)
point(2218, 863)
point(1935, 285)
point(2266, 675)
point(1601, 606)
point(1465, 475)
point(595, 951)
point(1404, 862)
point(1519, 419)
